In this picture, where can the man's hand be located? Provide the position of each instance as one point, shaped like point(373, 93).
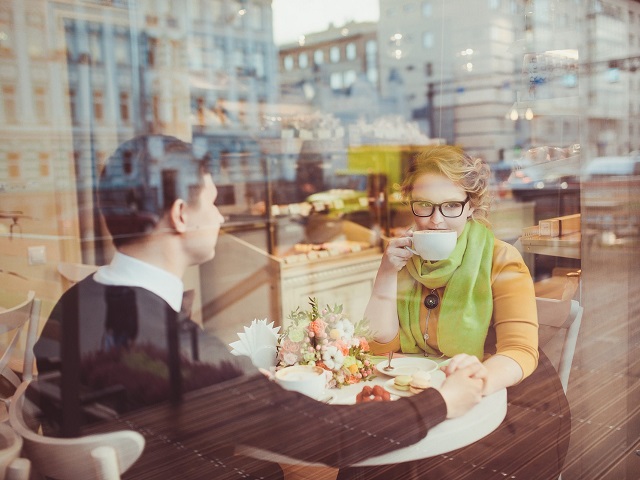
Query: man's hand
point(462, 389)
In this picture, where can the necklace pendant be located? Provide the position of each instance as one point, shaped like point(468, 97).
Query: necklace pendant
point(432, 300)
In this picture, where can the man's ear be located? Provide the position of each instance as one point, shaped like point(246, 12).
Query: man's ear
point(178, 216)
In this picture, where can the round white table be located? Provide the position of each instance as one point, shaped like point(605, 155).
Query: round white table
point(449, 435)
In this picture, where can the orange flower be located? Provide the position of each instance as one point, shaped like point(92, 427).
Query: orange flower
point(318, 327)
point(364, 345)
point(353, 368)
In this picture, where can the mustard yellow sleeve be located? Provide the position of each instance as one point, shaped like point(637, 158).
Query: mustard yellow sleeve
point(515, 317)
point(378, 348)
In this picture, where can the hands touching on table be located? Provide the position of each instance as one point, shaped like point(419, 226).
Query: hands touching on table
point(464, 384)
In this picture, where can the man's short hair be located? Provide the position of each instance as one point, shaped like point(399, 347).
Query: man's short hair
point(142, 179)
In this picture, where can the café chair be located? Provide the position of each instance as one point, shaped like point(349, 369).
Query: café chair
point(10, 448)
point(560, 316)
point(18, 469)
point(12, 323)
point(101, 456)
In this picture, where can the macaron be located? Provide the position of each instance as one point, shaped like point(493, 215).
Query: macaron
point(419, 382)
point(401, 382)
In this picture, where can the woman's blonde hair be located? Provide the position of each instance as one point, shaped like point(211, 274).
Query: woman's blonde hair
point(471, 174)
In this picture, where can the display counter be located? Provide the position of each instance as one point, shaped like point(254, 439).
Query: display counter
point(333, 260)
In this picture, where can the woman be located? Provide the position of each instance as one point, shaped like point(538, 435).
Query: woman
point(483, 289)
point(478, 305)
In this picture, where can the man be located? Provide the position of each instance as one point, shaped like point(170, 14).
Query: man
point(118, 330)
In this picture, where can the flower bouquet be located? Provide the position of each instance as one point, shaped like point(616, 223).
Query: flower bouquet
point(328, 339)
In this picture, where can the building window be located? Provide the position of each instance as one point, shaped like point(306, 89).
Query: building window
point(6, 30)
point(73, 107)
point(35, 41)
point(334, 54)
point(152, 51)
point(318, 57)
point(95, 47)
point(371, 61)
point(288, 63)
point(349, 78)
point(255, 12)
point(427, 39)
point(259, 64)
point(40, 104)
point(121, 50)
point(336, 81)
point(217, 11)
point(494, 4)
point(98, 105)
point(9, 103)
point(124, 107)
point(303, 60)
point(13, 164)
point(427, 9)
point(351, 51)
point(408, 7)
point(44, 164)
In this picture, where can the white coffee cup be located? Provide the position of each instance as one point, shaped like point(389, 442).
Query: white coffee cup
point(433, 245)
point(307, 379)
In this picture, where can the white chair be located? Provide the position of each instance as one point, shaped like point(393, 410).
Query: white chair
point(566, 316)
point(100, 457)
point(12, 322)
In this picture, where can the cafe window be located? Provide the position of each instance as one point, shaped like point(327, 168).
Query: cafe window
point(334, 54)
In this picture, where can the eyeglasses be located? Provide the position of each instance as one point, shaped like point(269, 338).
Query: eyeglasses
point(422, 208)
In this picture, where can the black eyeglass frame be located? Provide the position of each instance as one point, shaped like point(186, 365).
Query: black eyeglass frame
point(439, 206)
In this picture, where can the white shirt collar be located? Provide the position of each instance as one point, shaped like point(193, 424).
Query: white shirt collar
point(131, 272)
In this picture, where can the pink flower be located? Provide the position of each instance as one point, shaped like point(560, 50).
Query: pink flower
point(317, 328)
point(364, 345)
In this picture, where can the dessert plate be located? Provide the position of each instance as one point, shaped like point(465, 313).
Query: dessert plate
point(407, 366)
point(437, 378)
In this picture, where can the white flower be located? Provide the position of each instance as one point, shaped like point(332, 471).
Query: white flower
point(332, 357)
point(344, 329)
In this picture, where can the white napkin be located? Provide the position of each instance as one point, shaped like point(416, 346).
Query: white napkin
point(258, 342)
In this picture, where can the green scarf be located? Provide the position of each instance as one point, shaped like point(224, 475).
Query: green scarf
point(467, 303)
